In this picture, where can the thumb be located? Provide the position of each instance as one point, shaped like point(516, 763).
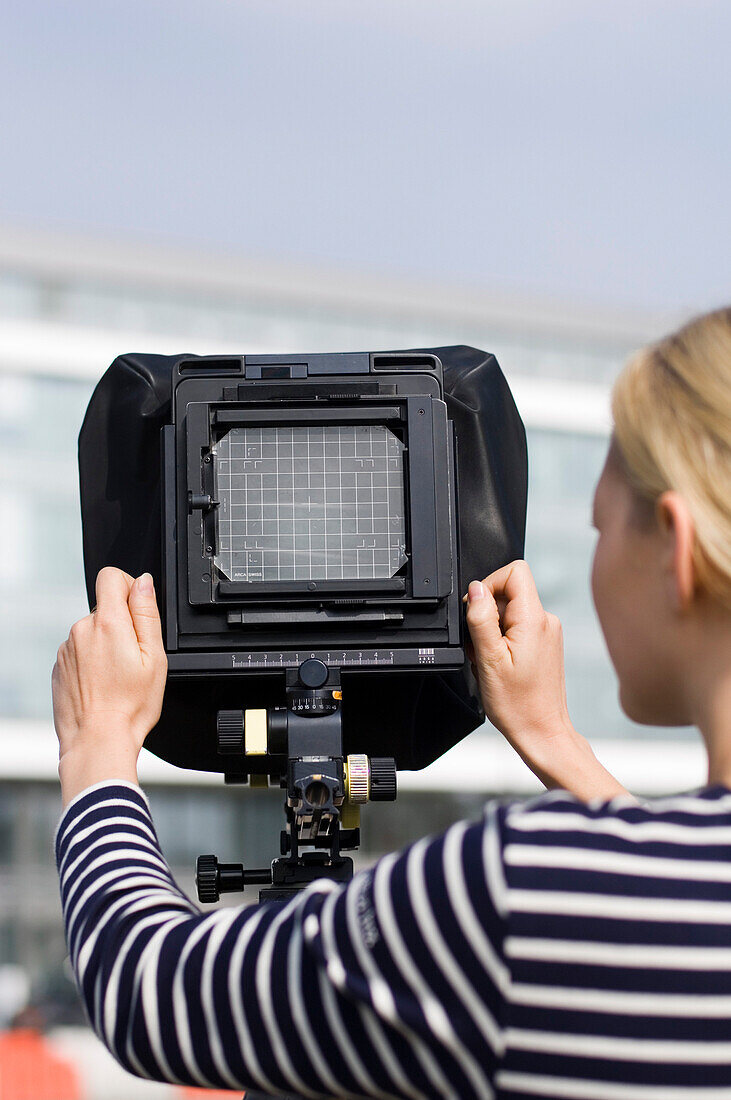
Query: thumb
point(483, 620)
point(145, 615)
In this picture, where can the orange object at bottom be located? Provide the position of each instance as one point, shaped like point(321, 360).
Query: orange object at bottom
point(207, 1094)
point(30, 1070)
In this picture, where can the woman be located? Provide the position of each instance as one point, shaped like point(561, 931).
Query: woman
point(578, 945)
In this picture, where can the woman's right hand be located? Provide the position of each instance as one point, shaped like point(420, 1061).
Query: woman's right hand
point(516, 651)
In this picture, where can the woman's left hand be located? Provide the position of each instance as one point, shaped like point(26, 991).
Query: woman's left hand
point(108, 683)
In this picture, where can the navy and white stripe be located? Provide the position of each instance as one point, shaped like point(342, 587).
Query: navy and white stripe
point(553, 949)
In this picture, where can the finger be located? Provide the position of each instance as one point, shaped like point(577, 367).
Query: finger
point(145, 616)
point(112, 589)
point(515, 592)
point(130, 581)
point(79, 632)
point(483, 620)
point(112, 613)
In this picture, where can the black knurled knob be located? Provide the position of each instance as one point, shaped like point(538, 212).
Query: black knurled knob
point(313, 673)
point(206, 879)
point(383, 779)
point(230, 732)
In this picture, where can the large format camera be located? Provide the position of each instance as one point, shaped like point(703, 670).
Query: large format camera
point(311, 522)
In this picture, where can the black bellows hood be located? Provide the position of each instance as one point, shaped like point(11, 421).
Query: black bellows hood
point(413, 716)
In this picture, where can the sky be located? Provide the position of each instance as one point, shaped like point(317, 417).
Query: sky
point(571, 149)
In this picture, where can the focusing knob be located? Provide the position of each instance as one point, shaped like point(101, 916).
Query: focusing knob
point(358, 778)
point(206, 879)
point(230, 731)
point(383, 779)
point(313, 673)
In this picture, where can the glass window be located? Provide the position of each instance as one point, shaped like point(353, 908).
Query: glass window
point(41, 577)
point(237, 824)
point(7, 821)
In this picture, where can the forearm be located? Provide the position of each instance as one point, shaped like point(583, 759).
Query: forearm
point(128, 927)
point(116, 892)
point(157, 977)
point(102, 758)
point(566, 761)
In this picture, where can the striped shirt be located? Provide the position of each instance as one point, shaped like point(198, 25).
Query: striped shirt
point(553, 949)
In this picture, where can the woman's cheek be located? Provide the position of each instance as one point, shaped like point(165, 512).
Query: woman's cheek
point(597, 578)
point(606, 593)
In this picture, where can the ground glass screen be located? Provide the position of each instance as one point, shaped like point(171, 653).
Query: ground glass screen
point(309, 503)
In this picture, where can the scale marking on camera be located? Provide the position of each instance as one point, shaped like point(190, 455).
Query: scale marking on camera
point(294, 660)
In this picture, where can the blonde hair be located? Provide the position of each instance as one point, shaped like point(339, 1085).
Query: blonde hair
point(672, 428)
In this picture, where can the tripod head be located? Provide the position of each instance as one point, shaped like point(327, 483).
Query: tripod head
point(299, 746)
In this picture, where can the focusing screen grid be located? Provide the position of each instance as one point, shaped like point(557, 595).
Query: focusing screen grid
point(309, 503)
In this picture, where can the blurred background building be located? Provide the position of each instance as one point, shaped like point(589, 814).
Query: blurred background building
point(68, 305)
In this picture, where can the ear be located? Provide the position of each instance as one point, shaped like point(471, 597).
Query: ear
point(677, 532)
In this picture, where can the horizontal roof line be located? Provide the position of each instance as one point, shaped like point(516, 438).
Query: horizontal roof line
point(78, 352)
point(66, 255)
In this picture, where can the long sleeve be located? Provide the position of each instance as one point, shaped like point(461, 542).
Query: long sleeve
point(392, 986)
point(553, 949)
